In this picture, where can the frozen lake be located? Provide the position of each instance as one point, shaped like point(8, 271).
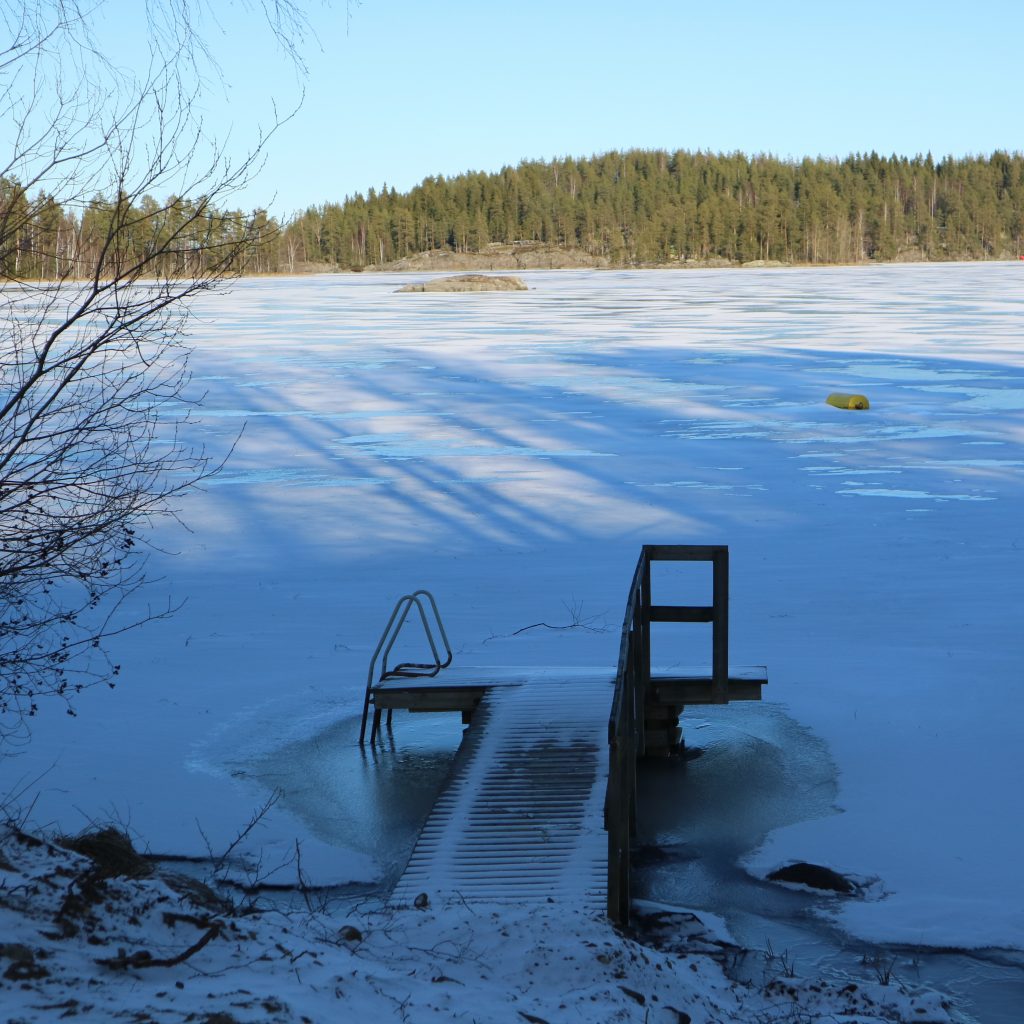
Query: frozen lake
point(511, 451)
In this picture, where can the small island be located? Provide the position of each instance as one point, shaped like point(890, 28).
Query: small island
point(469, 283)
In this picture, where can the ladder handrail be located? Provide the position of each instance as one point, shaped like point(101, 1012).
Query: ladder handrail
point(398, 616)
point(438, 664)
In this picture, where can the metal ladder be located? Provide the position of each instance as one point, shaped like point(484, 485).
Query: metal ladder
point(408, 669)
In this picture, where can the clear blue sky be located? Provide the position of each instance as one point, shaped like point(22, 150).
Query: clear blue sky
point(401, 89)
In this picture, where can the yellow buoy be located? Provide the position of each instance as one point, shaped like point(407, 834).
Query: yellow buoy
point(843, 401)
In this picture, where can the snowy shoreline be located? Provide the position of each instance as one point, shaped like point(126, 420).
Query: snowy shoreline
point(84, 939)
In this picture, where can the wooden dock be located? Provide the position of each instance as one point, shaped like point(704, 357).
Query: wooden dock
point(541, 803)
point(522, 815)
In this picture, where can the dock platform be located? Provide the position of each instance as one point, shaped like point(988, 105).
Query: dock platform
point(541, 802)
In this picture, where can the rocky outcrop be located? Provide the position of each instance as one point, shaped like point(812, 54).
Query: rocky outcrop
point(814, 876)
point(706, 263)
point(468, 283)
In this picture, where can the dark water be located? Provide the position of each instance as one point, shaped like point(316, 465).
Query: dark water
point(370, 799)
point(759, 770)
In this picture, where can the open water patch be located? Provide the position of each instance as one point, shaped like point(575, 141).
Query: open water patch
point(369, 799)
point(701, 485)
point(887, 492)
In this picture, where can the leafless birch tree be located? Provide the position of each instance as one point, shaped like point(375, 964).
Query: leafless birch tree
point(92, 356)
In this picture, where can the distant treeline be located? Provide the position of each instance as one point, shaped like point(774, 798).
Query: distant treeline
point(633, 208)
point(643, 206)
point(40, 238)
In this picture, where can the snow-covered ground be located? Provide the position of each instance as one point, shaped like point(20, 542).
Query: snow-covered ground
point(511, 452)
point(81, 943)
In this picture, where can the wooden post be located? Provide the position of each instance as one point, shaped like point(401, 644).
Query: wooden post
point(642, 639)
point(720, 628)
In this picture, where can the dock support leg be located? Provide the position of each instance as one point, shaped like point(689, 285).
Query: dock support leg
point(662, 735)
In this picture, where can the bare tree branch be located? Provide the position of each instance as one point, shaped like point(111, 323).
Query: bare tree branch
point(96, 281)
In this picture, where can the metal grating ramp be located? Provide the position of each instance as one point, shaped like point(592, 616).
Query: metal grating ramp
point(522, 818)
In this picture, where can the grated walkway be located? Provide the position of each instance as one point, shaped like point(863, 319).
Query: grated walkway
point(522, 818)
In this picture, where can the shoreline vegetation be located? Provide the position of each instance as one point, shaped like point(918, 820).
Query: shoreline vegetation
point(634, 209)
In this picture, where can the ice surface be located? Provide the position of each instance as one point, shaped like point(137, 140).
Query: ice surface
point(450, 443)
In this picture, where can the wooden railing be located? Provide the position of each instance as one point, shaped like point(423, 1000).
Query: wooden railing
point(626, 735)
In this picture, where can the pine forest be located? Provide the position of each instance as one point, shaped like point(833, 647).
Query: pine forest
point(635, 208)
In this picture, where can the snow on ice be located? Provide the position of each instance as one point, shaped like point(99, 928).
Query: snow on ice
point(511, 453)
